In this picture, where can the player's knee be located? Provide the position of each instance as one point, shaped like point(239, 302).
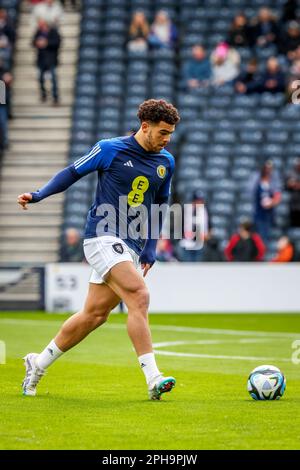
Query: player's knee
point(141, 299)
point(97, 314)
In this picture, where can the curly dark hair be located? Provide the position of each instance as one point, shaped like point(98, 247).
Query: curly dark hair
point(158, 110)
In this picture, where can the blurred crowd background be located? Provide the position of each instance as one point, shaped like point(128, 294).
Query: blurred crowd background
point(232, 69)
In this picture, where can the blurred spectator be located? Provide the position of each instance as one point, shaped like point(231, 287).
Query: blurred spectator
point(249, 80)
point(163, 32)
point(246, 245)
point(50, 11)
point(72, 250)
point(6, 27)
point(3, 127)
point(294, 69)
point(285, 251)
point(6, 77)
point(196, 227)
point(138, 32)
point(266, 191)
point(225, 64)
point(290, 40)
point(293, 186)
point(211, 251)
point(5, 50)
point(273, 79)
point(265, 29)
point(164, 250)
point(289, 11)
point(197, 71)
point(295, 61)
point(294, 74)
point(47, 42)
point(74, 4)
point(7, 38)
point(239, 33)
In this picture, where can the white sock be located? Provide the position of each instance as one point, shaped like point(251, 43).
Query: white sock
point(49, 355)
point(149, 367)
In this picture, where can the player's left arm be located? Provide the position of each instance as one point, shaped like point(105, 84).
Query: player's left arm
point(59, 183)
point(98, 158)
point(148, 255)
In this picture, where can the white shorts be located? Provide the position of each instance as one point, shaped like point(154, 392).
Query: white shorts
point(102, 253)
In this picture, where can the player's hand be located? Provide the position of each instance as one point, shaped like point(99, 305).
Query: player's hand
point(145, 268)
point(24, 199)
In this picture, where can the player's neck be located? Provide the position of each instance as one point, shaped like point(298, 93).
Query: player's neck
point(139, 137)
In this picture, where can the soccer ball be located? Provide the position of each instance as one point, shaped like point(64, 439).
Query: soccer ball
point(266, 383)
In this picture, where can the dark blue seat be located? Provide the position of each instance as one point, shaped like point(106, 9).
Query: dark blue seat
point(254, 136)
point(215, 173)
point(226, 137)
point(198, 137)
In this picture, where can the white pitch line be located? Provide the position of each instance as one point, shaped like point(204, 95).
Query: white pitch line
point(182, 329)
point(210, 356)
point(182, 343)
point(24, 322)
point(214, 331)
point(211, 341)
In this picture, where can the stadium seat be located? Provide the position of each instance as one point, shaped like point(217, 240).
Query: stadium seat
point(222, 138)
point(254, 136)
point(213, 173)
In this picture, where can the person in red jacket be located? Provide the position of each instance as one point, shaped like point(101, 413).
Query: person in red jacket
point(245, 245)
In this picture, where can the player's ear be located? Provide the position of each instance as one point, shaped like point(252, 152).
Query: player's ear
point(145, 126)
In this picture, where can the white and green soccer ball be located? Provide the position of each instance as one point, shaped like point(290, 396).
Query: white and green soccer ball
point(266, 383)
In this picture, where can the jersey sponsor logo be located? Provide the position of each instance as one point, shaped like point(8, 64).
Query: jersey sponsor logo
point(161, 171)
point(139, 186)
point(81, 161)
point(129, 163)
point(118, 248)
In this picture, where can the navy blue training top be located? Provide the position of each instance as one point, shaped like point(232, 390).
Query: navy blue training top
point(126, 170)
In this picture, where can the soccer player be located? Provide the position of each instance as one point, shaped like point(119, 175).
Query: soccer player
point(138, 168)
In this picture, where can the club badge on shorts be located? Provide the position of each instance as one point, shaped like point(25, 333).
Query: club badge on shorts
point(161, 171)
point(118, 248)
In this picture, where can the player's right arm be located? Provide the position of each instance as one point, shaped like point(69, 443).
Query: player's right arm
point(98, 158)
point(148, 255)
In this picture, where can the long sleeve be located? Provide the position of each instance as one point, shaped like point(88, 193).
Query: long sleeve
point(229, 248)
point(59, 183)
point(98, 158)
point(261, 249)
point(148, 254)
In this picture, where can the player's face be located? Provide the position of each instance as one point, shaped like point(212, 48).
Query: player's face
point(158, 135)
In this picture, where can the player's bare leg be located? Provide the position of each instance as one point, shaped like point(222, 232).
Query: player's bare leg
point(128, 284)
point(100, 301)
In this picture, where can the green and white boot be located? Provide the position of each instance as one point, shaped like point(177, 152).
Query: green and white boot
point(160, 385)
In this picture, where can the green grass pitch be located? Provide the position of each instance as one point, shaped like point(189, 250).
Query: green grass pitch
point(95, 396)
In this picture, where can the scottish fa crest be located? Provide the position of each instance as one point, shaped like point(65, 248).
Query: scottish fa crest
point(161, 171)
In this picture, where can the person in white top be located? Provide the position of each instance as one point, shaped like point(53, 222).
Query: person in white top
point(163, 33)
point(225, 61)
point(48, 10)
